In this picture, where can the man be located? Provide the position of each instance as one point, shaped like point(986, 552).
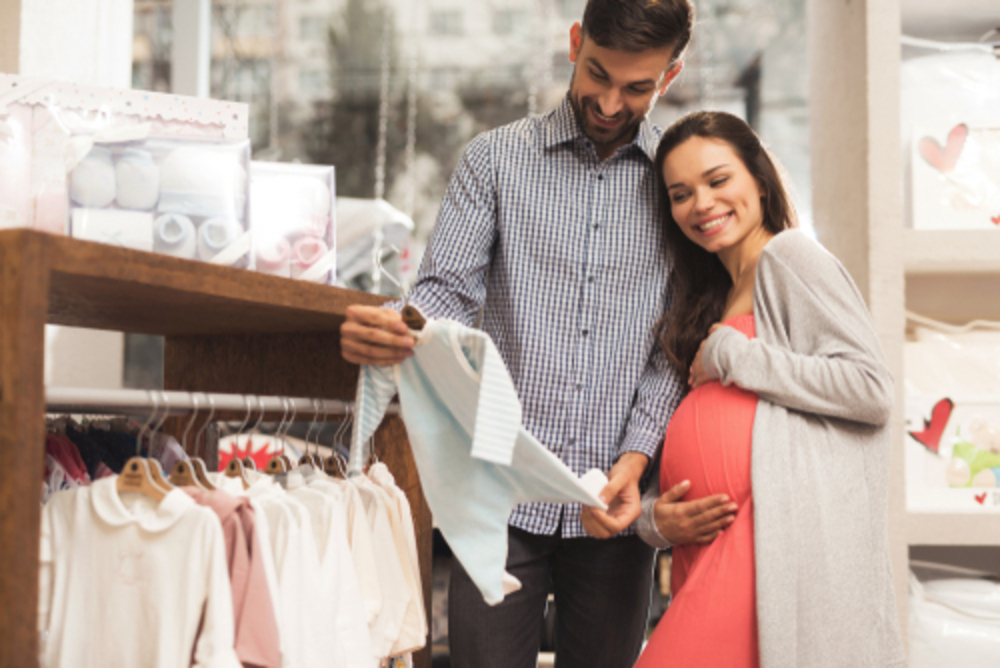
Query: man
point(550, 229)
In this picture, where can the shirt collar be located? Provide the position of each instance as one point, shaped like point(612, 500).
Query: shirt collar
point(152, 516)
point(561, 127)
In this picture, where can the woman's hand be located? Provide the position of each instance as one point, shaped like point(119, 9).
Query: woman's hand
point(697, 374)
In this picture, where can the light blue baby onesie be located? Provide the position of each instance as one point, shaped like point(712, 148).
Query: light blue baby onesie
point(476, 462)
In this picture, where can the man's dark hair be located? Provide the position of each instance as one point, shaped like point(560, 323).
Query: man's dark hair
point(639, 25)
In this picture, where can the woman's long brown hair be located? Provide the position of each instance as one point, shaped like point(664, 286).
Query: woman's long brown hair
point(698, 280)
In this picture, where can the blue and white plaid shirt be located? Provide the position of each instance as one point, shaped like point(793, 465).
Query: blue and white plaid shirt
point(565, 256)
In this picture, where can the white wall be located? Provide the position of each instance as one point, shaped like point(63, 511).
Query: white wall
point(87, 41)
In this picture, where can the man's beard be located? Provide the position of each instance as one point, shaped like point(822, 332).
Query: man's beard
point(600, 136)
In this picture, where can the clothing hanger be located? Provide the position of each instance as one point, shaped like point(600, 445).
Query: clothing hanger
point(236, 468)
point(197, 463)
point(334, 465)
point(182, 474)
point(277, 463)
point(311, 458)
point(248, 462)
point(411, 316)
point(952, 329)
point(136, 475)
point(284, 433)
point(154, 464)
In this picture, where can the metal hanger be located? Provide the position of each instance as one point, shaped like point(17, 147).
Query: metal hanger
point(197, 463)
point(279, 463)
point(311, 458)
point(182, 475)
point(248, 462)
point(136, 475)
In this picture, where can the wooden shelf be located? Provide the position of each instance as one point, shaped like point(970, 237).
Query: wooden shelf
point(104, 287)
point(924, 528)
point(930, 252)
point(227, 330)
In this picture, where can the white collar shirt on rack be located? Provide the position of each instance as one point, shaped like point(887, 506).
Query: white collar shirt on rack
point(339, 575)
point(359, 536)
point(305, 616)
point(133, 556)
point(414, 632)
point(392, 581)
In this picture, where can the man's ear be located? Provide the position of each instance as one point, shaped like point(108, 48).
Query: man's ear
point(575, 41)
point(670, 76)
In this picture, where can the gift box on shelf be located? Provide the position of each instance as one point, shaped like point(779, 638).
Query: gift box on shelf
point(48, 128)
point(293, 220)
point(186, 198)
point(953, 453)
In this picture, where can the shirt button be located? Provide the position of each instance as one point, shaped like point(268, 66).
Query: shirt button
point(597, 226)
point(600, 177)
point(590, 279)
point(585, 332)
point(579, 387)
point(572, 441)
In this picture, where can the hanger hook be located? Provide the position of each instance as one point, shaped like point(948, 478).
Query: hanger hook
point(194, 417)
point(312, 425)
point(204, 427)
point(148, 423)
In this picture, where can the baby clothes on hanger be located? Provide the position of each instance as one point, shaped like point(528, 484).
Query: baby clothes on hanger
point(413, 635)
point(359, 538)
point(257, 640)
point(157, 571)
point(392, 580)
point(476, 461)
point(339, 576)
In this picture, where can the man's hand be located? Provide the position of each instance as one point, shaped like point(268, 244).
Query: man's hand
point(374, 335)
point(700, 521)
point(622, 496)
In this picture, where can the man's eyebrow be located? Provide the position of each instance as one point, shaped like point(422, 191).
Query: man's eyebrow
point(597, 65)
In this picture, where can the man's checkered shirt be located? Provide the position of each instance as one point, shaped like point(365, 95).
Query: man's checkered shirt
point(564, 255)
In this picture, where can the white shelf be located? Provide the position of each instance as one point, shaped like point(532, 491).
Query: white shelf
point(952, 252)
point(924, 528)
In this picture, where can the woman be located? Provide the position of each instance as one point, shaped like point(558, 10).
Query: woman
point(787, 414)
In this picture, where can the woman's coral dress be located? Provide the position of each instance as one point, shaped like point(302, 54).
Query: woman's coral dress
point(712, 619)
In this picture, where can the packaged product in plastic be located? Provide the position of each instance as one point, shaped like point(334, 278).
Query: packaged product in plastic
point(48, 127)
point(293, 218)
point(185, 198)
point(950, 104)
point(954, 623)
point(952, 379)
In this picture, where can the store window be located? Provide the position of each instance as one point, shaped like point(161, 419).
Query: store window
point(313, 28)
point(509, 21)
point(446, 23)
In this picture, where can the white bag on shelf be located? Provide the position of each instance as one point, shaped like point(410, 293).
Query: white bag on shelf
point(954, 623)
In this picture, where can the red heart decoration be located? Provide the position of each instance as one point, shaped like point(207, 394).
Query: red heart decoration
point(944, 159)
point(996, 220)
point(981, 498)
point(930, 436)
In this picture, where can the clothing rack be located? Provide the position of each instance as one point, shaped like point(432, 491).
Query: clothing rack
point(89, 400)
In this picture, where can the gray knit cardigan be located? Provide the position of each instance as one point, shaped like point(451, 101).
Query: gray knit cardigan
point(819, 466)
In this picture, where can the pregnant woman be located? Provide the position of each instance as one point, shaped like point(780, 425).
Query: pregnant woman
point(787, 415)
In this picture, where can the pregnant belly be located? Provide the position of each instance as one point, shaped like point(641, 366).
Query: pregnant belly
point(708, 442)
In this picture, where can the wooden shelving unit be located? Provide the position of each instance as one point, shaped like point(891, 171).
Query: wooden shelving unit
point(923, 528)
point(226, 330)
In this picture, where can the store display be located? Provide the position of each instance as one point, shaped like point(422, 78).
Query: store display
point(954, 623)
point(49, 131)
point(198, 190)
point(293, 218)
point(950, 105)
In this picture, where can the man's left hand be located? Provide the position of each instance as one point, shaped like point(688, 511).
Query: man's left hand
point(622, 496)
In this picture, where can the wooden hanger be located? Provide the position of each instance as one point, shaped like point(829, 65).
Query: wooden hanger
point(141, 474)
point(413, 319)
point(183, 473)
point(234, 469)
point(197, 463)
point(136, 477)
point(277, 464)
